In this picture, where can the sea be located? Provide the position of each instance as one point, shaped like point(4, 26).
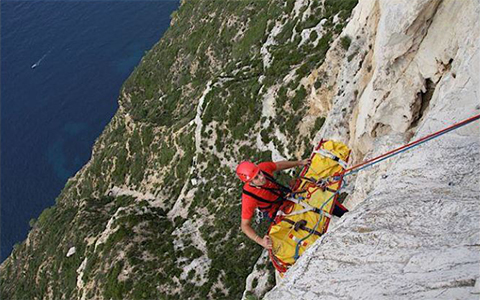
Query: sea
point(62, 66)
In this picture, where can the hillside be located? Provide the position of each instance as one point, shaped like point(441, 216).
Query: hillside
point(155, 213)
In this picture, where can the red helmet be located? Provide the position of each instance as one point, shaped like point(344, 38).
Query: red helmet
point(246, 171)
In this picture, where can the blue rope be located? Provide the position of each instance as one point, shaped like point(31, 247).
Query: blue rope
point(401, 151)
point(297, 247)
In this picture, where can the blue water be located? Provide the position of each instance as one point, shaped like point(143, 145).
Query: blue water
point(51, 114)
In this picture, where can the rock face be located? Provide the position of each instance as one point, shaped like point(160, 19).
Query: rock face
point(414, 227)
point(155, 214)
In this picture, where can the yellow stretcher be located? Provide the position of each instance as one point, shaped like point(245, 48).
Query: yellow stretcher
point(302, 221)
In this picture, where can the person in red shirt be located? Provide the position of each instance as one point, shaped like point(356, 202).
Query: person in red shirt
point(263, 192)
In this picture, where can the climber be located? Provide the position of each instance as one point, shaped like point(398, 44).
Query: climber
point(262, 191)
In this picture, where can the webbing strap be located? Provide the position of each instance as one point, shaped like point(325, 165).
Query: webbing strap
point(288, 221)
point(276, 191)
point(321, 183)
point(273, 191)
point(332, 156)
point(307, 207)
point(256, 197)
point(302, 226)
point(282, 188)
point(298, 212)
point(311, 230)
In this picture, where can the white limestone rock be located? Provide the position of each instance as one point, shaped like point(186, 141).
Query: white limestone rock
point(368, 178)
point(415, 233)
point(71, 251)
point(260, 276)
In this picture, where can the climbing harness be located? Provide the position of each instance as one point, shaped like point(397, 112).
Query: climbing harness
point(280, 191)
point(258, 198)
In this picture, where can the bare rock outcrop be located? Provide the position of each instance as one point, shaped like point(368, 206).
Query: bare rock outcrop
point(414, 228)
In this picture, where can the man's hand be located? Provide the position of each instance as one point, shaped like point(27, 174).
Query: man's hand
point(266, 242)
point(283, 165)
point(304, 162)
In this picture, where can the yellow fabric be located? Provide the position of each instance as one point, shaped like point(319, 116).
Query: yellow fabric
point(321, 167)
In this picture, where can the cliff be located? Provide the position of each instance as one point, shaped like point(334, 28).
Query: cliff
point(413, 232)
point(155, 213)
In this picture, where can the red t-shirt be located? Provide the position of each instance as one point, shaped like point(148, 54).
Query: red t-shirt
point(249, 204)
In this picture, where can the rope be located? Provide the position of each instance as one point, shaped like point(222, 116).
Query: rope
point(375, 160)
point(380, 158)
point(297, 247)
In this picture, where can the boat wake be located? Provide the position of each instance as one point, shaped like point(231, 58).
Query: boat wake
point(40, 60)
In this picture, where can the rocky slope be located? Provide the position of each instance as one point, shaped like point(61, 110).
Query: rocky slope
point(413, 232)
point(155, 213)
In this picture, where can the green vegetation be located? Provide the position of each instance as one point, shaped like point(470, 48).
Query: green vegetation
point(153, 136)
point(318, 124)
point(345, 41)
point(351, 56)
point(342, 8)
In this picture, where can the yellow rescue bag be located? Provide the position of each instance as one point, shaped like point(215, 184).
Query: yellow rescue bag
point(303, 219)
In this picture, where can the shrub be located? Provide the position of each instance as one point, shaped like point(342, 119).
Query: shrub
point(345, 41)
point(318, 83)
point(318, 124)
point(297, 101)
point(351, 56)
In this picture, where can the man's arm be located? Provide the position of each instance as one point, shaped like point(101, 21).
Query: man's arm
point(282, 165)
point(265, 242)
